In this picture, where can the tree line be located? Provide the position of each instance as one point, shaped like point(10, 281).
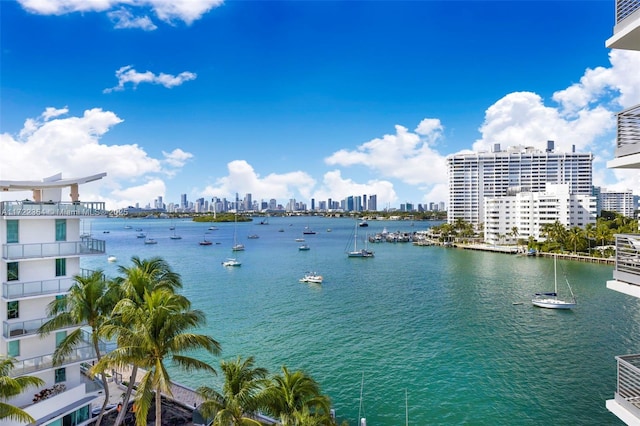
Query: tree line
point(152, 325)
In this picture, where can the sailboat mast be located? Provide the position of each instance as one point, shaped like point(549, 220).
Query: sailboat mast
point(555, 273)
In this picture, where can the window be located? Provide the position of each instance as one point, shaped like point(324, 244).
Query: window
point(60, 375)
point(61, 267)
point(60, 336)
point(13, 309)
point(61, 229)
point(12, 271)
point(13, 348)
point(12, 231)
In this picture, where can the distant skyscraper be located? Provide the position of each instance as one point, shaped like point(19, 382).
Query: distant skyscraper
point(313, 204)
point(373, 203)
point(183, 201)
point(364, 202)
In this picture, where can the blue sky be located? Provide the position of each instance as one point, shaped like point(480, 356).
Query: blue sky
point(301, 99)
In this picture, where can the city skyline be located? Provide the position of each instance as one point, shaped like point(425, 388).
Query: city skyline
point(213, 98)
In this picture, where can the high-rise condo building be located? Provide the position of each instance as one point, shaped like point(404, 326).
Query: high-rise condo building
point(626, 272)
point(41, 249)
point(474, 177)
point(617, 201)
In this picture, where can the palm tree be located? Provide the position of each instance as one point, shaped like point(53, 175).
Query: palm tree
point(574, 236)
point(134, 282)
point(288, 394)
point(10, 386)
point(590, 233)
point(151, 334)
point(603, 233)
point(86, 303)
point(240, 394)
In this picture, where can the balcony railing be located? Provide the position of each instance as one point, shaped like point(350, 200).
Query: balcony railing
point(627, 267)
point(628, 132)
point(19, 289)
point(22, 328)
point(625, 8)
point(79, 354)
point(30, 208)
point(628, 388)
point(87, 246)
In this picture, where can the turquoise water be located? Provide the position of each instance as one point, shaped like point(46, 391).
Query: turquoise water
point(437, 323)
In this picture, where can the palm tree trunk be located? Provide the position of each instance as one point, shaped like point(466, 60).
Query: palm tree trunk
point(96, 347)
point(127, 396)
point(158, 407)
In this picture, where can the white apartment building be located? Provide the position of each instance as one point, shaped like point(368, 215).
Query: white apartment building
point(528, 212)
point(617, 201)
point(474, 177)
point(626, 273)
point(41, 250)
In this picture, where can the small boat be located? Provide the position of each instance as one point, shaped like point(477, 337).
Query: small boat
point(138, 229)
point(127, 227)
point(175, 236)
point(205, 242)
point(550, 300)
point(150, 241)
point(231, 262)
point(363, 224)
point(311, 277)
point(328, 229)
point(304, 247)
point(111, 259)
point(213, 228)
point(171, 228)
point(106, 232)
point(253, 237)
point(237, 247)
point(281, 230)
point(141, 235)
point(299, 240)
point(308, 231)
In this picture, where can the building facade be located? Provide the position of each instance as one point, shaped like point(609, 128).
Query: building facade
point(617, 201)
point(523, 215)
point(474, 177)
point(41, 250)
point(626, 273)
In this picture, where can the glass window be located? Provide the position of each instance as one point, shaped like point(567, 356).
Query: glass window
point(61, 375)
point(61, 229)
point(60, 336)
point(12, 271)
point(13, 348)
point(61, 267)
point(13, 309)
point(12, 231)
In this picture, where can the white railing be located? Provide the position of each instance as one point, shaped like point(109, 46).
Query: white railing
point(627, 268)
point(624, 8)
point(87, 246)
point(17, 289)
point(50, 208)
point(22, 328)
point(628, 387)
point(628, 138)
point(30, 365)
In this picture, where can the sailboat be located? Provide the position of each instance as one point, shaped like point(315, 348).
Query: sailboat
point(175, 236)
point(358, 253)
point(236, 246)
point(551, 300)
point(231, 261)
point(205, 242)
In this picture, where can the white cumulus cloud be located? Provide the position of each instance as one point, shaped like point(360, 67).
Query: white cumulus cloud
point(127, 74)
point(52, 144)
point(127, 13)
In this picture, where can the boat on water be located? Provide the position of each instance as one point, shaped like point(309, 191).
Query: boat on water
point(550, 300)
point(213, 228)
point(363, 252)
point(205, 242)
point(304, 247)
point(175, 236)
point(127, 227)
point(253, 236)
point(299, 240)
point(281, 230)
point(141, 235)
point(308, 231)
point(150, 241)
point(311, 277)
point(231, 262)
point(111, 259)
point(236, 245)
point(363, 224)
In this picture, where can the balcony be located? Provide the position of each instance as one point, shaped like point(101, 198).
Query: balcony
point(22, 328)
point(12, 290)
point(626, 32)
point(628, 140)
point(626, 402)
point(626, 273)
point(31, 208)
point(79, 354)
point(88, 246)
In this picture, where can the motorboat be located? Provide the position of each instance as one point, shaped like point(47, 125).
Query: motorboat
point(231, 262)
point(312, 277)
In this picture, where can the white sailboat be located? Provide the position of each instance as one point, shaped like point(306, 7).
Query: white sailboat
point(551, 300)
point(361, 252)
point(236, 246)
point(231, 261)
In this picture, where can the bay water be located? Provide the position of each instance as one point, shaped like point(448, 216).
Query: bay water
point(446, 335)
